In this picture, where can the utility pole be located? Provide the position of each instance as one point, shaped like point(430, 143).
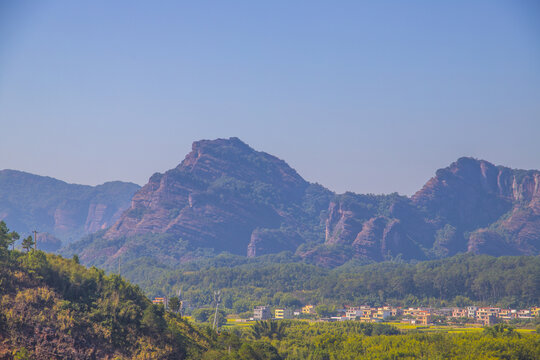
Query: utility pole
point(35, 239)
point(217, 298)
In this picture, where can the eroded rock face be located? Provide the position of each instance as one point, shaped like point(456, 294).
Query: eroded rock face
point(225, 196)
point(468, 194)
point(377, 227)
point(472, 195)
point(450, 214)
point(268, 241)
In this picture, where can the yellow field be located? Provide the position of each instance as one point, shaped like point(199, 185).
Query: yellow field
point(451, 329)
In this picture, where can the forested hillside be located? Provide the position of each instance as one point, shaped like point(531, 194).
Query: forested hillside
point(459, 280)
point(54, 308)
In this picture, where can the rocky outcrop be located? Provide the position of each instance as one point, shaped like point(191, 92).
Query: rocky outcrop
point(368, 241)
point(377, 227)
point(468, 194)
point(471, 206)
point(66, 211)
point(268, 241)
point(474, 195)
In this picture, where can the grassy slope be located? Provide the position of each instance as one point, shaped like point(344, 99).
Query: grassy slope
point(58, 309)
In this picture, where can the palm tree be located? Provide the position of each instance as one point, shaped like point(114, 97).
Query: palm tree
point(270, 329)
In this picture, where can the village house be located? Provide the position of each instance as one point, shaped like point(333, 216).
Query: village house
point(283, 314)
point(459, 313)
point(261, 313)
point(486, 316)
point(524, 314)
point(471, 311)
point(353, 312)
point(507, 314)
point(423, 317)
point(383, 314)
point(394, 311)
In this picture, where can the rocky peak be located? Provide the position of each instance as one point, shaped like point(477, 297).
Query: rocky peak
point(212, 159)
point(217, 197)
point(484, 177)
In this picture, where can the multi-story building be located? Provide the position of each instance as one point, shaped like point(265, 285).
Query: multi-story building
point(535, 311)
point(366, 314)
point(261, 313)
point(352, 313)
point(283, 314)
point(487, 316)
point(524, 314)
point(423, 317)
point(408, 312)
point(308, 309)
point(471, 311)
point(459, 313)
point(505, 314)
point(382, 314)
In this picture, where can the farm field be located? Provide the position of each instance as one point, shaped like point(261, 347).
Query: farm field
point(403, 327)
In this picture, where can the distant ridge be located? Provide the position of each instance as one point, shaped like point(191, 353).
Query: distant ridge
point(64, 211)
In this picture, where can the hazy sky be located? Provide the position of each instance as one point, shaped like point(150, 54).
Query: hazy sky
point(362, 96)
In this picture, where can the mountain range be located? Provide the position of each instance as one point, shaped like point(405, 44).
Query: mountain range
point(60, 212)
point(227, 197)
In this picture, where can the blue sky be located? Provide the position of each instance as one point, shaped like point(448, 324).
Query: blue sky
point(361, 96)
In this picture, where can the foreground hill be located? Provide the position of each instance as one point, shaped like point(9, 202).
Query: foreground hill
point(226, 196)
point(64, 211)
point(57, 309)
point(54, 308)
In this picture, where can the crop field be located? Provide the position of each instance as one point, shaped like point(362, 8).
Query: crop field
point(404, 327)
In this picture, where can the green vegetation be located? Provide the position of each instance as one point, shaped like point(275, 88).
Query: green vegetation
point(299, 340)
point(54, 308)
point(352, 340)
point(460, 280)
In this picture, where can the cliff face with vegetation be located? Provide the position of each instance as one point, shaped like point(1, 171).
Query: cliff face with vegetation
point(63, 211)
point(470, 206)
point(496, 208)
point(225, 196)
